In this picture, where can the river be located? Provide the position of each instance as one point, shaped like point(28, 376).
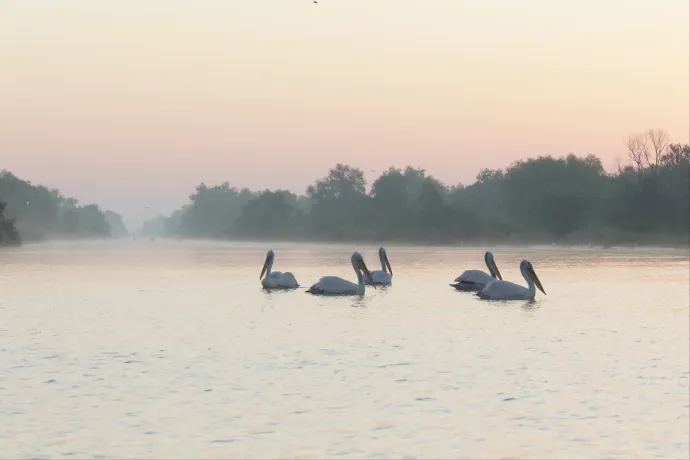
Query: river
point(170, 349)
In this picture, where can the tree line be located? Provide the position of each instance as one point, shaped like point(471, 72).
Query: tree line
point(31, 212)
point(568, 199)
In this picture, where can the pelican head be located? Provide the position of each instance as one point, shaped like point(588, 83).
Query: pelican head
point(268, 262)
point(358, 263)
point(493, 268)
point(384, 259)
point(527, 269)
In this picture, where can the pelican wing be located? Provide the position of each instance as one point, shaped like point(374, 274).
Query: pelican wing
point(287, 280)
point(333, 285)
point(472, 280)
point(278, 280)
point(379, 277)
point(474, 276)
point(503, 290)
point(472, 287)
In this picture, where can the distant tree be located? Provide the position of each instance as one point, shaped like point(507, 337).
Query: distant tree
point(339, 202)
point(342, 183)
point(41, 213)
point(647, 149)
point(269, 214)
point(117, 226)
point(432, 213)
point(213, 211)
point(486, 175)
point(395, 196)
point(548, 196)
point(8, 233)
point(543, 199)
point(676, 155)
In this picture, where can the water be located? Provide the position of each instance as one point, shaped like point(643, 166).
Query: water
point(171, 349)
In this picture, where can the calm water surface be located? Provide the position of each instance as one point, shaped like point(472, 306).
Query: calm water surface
point(171, 349)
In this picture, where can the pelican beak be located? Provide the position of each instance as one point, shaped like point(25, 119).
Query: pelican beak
point(263, 270)
point(535, 278)
point(388, 264)
point(495, 268)
point(367, 273)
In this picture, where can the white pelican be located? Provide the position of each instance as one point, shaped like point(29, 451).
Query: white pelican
point(276, 280)
point(382, 276)
point(334, 285)
point(505, 290)
point(475, 280)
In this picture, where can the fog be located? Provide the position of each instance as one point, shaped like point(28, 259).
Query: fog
point(545, 200)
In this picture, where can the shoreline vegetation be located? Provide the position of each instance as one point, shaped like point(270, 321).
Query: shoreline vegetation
point(651, 242)
point(32, 213)
point(545, 200)
point(567, 200)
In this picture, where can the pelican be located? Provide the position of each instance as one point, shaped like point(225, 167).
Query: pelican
point(505, 290)
point(382, 276)
point(276, 280)
point(475, 280)
point(334, 285)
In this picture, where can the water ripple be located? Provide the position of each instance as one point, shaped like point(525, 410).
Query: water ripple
point(172, 351)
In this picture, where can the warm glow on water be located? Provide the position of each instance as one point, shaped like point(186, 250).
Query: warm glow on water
point(172, 350)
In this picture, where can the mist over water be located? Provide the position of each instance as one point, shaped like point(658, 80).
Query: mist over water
point(145, 148)
point(171, 349)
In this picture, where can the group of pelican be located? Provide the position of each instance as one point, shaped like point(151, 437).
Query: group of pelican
point(489, 286)
point(331, 285)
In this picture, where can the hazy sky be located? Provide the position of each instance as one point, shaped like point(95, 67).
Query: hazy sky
point(133, 102)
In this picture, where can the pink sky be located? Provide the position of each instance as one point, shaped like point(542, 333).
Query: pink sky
point(130, 103)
